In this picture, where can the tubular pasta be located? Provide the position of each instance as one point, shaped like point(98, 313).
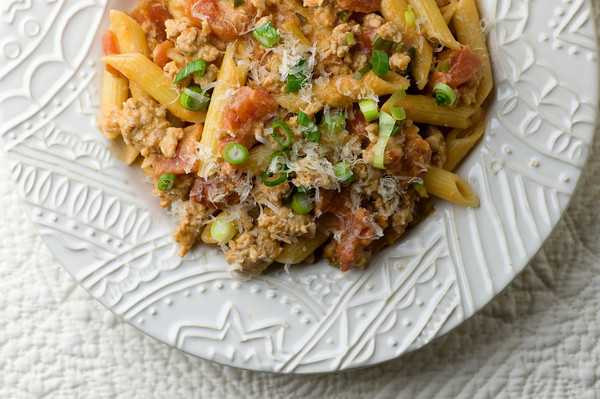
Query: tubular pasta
point(151, 78)
point(300, 250)
point(230, 76)
point(423, 109)
point(432, 20)
point(468, 30)
point(115, 92)
point(258, 161)
point(460, 141)
point(449, 186)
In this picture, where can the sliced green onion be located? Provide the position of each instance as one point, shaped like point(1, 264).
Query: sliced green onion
point(296, 79)
point(301, 17)
point(334, 121)
point(198, 67)
point(386, 127)
point(222, 231)
point(272, 180)
point(303, 189)
point(397, 111)
point(397, 48)
point(343, 172)
point(301, 203)
point(166, 182)
point(369, 109)
point(194, 98)
point(237, 3)
point(444, 66)
point(235, 153)
point(379, 43)
point(380, 61)
point(309, 129)
point(345, 16)
point(281, 166)
point(266, 35)
point(410, 18)
point(420, 189)
point(362, 71)
point(395, 130)
point(412, 53)
point(285, 139)
point(444, 94)
point(350, 39)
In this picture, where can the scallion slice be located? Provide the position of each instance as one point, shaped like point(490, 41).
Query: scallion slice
point(343, 172)
point(235, 153)
point(380, 61)
point(350, 39)
point(301, 17)
point(410, 18)
point(397, 111)
point(369, 109)
point(420, 189)
point(379, 43)
point(198, 67)
point(284, 139)
point(334, 121)
point(397, 48)
point(386, 127)
point(237, 3)
point(309, 129)
point(166, 182)
point(345, 16)
point(444, 94)
point(266, 35)
point(194, 98)
point(301, 203)
point(276, 173)
point(296, 79)
point(362, 71)
point(222, 231)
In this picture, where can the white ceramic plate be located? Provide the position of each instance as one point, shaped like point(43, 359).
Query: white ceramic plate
point(99, 218)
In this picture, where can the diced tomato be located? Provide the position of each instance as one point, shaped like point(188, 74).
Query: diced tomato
point(156, 13)
point(215, 193)
point(357, 233)
point(416, 156)
point(464, 64)
point(364, 6)
point(185, 159)
point(227, 22)
point(110, 45)
point(160, 55)
point(246, 107)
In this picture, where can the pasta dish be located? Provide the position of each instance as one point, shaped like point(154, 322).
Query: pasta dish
point(280, 130)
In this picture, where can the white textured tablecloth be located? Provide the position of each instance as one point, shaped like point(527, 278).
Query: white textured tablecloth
point(540, 338)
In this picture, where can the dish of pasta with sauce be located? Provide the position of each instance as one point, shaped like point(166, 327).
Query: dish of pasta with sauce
point(280, 130)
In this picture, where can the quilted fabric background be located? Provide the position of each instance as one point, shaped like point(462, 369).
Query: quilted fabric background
point(539, 338)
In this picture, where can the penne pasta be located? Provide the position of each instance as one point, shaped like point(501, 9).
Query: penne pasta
point(460, 141)
point(432, 21)
point(344, 90)
point(230, 76)
point(468, 30)
point(258, 161)
point(293, 29)
point(448, 12)
point(395, 11)
point(423, 109)
point(151, 78)
point(449, 186)
point(115, 92)
point(177, 8)
point(131, 39)
point(300, 250)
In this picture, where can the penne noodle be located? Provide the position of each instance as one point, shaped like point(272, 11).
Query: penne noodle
point(300, 250)
point(115, 92)
point(432, 21)
point(131, 39)
point(131, 154)
point(449, 186)
point(460, 141)
point(448, 13)
point(151, 78)
point(231, 76)
point(293, 29)
point(177, 8)
point(258, 161)
point(423, 109)
point(342, 91)
point(468, 30)
point(394, 11)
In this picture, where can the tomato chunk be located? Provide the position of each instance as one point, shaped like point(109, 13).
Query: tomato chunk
point(228, 23)
point(156, 13)
point(110, 45)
